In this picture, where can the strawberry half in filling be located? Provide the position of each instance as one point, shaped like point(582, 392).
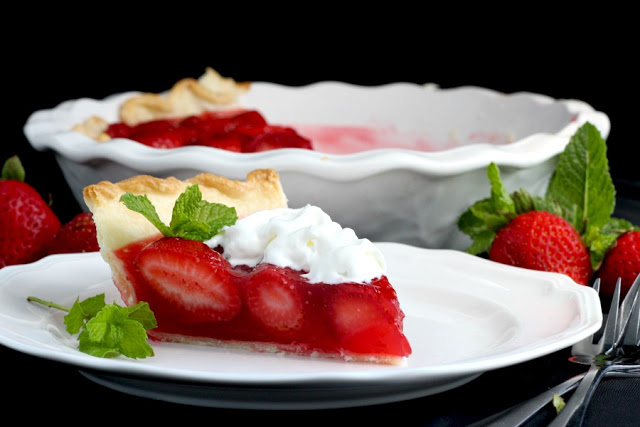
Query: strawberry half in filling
point(195, 292)
point(240, 131)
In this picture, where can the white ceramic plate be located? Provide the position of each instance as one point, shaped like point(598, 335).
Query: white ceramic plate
point(464, 316)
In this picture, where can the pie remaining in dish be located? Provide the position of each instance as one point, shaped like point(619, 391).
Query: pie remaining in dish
point(195, 112)
point(275, 279)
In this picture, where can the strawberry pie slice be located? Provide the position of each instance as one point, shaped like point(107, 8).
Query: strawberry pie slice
point(226, 263)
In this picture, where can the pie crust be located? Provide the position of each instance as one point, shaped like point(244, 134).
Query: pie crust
point(260, 190)
point(187, 97)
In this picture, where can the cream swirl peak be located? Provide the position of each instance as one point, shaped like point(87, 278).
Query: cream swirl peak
point(304, 239)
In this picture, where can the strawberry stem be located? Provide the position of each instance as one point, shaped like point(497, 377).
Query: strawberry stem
point(13, 169)
point(49, 303)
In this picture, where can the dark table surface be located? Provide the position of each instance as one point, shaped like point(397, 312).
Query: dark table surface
point(53, 390)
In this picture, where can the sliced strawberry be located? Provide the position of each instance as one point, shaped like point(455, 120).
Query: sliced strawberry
point(208, 123)
point(250, 118)
point(273, 298)
point(163, 134)
point(168, 139)
point(367, 321)
point(153, 127)
point(197, 281)
point(219, 129)
point(250, 124)
point(119, 130)
point(275, 137)
point(223, 141)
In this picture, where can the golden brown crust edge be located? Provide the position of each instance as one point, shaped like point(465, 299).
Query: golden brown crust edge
point(186, 97)
point(116, 225)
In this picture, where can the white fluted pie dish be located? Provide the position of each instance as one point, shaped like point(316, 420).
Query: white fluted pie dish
point(398, 162)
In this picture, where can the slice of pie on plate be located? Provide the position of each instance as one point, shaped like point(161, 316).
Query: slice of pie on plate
point(226, 263)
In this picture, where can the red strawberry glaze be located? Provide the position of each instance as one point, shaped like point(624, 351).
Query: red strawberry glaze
point(243, 131)
point(278, 307)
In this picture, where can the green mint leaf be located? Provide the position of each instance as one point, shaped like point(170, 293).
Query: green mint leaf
point(141, 312)
point(81, 312)
point(111, 332)
point(197, 219)
point(187, 207)
point(133, 340)
point(97, 349)
point(192, 217)
point(581, 183)
point(143, 205)
point(108, 330)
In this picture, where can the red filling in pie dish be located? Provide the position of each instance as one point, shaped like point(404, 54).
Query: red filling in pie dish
point(242, 131)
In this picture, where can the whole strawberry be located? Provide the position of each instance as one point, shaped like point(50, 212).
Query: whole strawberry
point(578, 224)
point(540, 240)
point(621, 260)
point(28, 225)
point(77, 235)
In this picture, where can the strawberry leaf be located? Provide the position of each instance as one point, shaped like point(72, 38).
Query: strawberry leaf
point(484, 218)
point(599, 240)
point(500, 198)
point(13, 169)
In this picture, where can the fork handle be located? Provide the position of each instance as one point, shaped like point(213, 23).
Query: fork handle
point(518, 415)
point(578, 401)
point(573, 413)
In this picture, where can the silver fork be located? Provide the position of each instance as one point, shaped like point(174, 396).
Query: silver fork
point(615, 353)
point(620, 342)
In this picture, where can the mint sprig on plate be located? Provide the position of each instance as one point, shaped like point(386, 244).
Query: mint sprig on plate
point(192, 217)
point(108, 330)
point(580, 190)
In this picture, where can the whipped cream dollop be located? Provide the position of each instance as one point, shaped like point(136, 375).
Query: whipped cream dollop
point(303, 239)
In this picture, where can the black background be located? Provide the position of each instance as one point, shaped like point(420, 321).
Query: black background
point(71, 57)
point(54, 55)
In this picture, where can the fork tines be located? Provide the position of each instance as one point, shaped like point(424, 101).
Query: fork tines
point(631, 312)
point(622, 326)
